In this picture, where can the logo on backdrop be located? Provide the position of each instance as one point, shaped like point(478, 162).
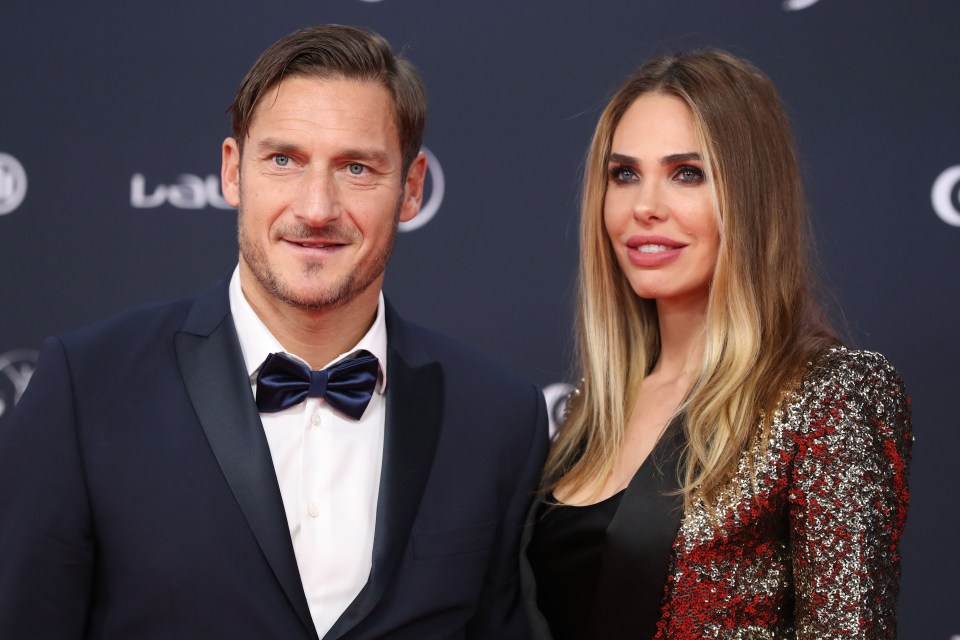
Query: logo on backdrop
point(556, 395)
point(796, 5)
point(13, 183)
point(431, 203)
point(945, 196)
point(16, 368)
point(195, 192)
point(189, 192)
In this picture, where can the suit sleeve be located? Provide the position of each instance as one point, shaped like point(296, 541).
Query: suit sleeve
point(500, 613)
point(46, 548)
point(848, 502)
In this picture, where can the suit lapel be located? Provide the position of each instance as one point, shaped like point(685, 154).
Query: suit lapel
point(414, 416)
point(539, 628)
point(214, 374)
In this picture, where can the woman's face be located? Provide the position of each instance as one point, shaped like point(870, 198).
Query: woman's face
point(658, 211)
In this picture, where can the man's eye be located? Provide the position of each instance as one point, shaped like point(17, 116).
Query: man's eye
point(356, 169)
point(281, 161)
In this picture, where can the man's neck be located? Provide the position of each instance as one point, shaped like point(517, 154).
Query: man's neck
point(316, 336)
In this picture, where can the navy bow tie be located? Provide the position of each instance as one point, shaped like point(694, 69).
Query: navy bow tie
point(346, 386)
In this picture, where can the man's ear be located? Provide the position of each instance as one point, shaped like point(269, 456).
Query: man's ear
point(413, 188)
point(230, 172)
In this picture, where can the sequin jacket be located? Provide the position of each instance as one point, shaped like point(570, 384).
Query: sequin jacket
point(808, 548)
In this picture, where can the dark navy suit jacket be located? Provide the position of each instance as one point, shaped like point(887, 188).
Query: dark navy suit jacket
point(138, 497)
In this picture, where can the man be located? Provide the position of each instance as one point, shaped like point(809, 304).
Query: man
point(187, 471)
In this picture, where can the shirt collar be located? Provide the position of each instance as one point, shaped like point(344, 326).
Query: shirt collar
point(256, 341)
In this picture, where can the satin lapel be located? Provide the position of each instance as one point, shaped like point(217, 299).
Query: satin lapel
point(539, 628)
point(414, 416)
point(214, 374)
point(641, 535)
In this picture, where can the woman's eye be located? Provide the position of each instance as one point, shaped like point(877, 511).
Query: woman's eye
point(356, 169)
point(622, 174)
point(281, 161)
point(690, 175)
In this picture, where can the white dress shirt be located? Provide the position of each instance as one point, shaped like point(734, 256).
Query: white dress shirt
point(328, 468)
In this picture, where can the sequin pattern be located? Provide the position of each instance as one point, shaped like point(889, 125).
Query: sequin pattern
point(805, 546)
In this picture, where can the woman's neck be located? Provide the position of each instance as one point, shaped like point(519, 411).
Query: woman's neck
point(682, 339)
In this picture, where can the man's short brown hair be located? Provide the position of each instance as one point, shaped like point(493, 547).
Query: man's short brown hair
point(337, 52)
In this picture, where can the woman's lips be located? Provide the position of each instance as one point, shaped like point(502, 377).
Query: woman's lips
point(653, 251)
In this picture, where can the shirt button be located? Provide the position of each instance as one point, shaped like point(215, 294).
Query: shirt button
point(315, 420)
point(313, 510)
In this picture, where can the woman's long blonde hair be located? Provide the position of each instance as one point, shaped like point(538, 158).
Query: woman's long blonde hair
point(762, 323)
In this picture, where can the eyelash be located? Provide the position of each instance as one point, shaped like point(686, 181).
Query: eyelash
point(277, 156)
point(617, 172)
point(364, 168)
point(698, 174)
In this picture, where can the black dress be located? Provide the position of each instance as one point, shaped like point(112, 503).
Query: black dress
point(600, 569)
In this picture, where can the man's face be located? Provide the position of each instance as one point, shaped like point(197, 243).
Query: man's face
point(319, 190)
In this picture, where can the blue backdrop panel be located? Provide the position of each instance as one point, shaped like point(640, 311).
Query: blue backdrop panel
point(112, 116)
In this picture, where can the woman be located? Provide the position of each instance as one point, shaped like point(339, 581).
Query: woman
point(726, 469)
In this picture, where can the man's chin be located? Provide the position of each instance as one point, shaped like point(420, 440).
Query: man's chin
point(316, 300)
point(314, 297)
point(312, 289)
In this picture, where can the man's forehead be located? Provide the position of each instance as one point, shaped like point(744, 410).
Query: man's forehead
point(344, 87)
point(361, 106)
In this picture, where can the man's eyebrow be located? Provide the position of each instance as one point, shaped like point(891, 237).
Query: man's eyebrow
point(279, 146)
point(276, 145)
point(375, 156)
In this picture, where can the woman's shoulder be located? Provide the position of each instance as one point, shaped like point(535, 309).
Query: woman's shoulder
point(841, 368)
point(851, 392)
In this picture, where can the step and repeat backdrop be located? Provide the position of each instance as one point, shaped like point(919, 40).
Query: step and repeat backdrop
point(112, 116)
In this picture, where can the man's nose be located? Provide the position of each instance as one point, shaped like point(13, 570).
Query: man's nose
point(317, 201)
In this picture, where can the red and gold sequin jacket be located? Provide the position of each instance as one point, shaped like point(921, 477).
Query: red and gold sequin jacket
point(807, 546)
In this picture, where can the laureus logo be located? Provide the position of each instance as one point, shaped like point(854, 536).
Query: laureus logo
point(189, 192)
point(556, 395)
point(431, 203)
point(13, 183)
point(945, 196)
point(16, 369)
point(797, 5)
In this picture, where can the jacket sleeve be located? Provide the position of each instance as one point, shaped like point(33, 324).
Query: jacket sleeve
point(848, 501)
point(500, 612)
point(46, 543)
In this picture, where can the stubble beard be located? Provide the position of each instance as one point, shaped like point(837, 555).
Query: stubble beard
point(326, 295)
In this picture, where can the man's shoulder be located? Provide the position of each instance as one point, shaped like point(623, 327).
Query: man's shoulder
point(462, 361)
point(125, 347)
point(143, 323)
point(477, 390)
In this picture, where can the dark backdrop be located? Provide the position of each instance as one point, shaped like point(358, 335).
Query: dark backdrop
point(112, 115)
